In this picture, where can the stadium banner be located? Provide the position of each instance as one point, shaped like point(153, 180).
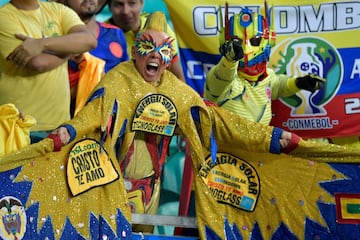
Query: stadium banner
point(319, 37)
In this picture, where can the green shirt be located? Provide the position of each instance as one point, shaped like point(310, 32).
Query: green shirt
point(252, 100)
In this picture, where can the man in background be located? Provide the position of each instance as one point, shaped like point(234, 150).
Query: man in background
point(36, 40)
point(111, 48)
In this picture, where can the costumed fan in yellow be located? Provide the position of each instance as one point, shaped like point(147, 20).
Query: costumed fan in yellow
point(241, 81)
point(141, 96)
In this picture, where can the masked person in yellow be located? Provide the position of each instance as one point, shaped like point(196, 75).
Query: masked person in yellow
point(118, 140)
point(127, 15)
point(241, 82)
point(155, 115)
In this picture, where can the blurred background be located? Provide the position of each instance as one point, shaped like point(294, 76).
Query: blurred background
point(150, 6)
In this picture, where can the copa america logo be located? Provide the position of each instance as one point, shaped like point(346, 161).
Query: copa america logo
point(304, 55)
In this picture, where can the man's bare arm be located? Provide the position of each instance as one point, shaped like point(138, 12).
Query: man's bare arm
point(78, 40)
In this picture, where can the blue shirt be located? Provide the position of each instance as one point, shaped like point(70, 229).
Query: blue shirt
point(112, 46)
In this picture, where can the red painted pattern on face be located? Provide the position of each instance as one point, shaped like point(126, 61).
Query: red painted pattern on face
point(255, 70)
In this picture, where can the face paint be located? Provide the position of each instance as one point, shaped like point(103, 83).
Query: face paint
point(146, 45)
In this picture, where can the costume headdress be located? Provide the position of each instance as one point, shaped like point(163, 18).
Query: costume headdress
point(146, 44)
point(257, 35)
point(156, 21)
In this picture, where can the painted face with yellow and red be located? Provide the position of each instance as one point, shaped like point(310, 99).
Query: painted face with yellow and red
point(152, 52)
point(257, 36)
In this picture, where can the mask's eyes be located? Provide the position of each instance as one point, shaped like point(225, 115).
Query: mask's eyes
point(255, 41)
point(144, 46)
point(165, 51)
point(147, 46)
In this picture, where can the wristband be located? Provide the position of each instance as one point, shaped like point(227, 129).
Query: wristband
point(57, 141)
point(293, 143)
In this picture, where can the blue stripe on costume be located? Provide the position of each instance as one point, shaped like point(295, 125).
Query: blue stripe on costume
point(213, 147)
point(195, 113)
point(100, 92)
point(275, 144)
point(117, 145)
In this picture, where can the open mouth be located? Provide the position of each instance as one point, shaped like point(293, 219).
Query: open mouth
point(152, 67)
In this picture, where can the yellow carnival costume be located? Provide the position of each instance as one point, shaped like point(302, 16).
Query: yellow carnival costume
point(79, 191)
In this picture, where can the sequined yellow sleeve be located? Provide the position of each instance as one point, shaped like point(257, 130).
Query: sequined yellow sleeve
point(87, 120)
point(232, 129)
point(325, 152)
